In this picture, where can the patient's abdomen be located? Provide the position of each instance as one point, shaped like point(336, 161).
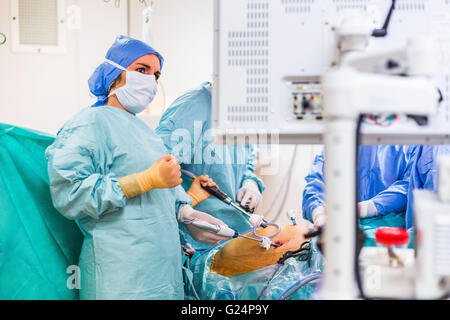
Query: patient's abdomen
point(242, 255)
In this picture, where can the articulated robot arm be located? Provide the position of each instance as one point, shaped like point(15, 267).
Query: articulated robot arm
point(347, 93)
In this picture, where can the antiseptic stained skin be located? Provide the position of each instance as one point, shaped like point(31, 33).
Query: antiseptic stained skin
point(242, 255)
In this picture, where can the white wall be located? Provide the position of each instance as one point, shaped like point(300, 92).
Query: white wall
point(42, 91)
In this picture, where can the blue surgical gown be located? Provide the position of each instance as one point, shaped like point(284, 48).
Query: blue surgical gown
point(424, 174)
point(383, 177)
point(185, 129)
point(131, 248)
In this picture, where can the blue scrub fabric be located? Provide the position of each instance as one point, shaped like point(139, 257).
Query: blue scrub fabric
point(383, 177)
point(424, 174)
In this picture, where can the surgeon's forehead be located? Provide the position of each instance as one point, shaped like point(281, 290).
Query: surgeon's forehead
point(148, 60)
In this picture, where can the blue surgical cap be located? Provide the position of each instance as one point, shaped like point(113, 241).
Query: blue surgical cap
point(123, 52)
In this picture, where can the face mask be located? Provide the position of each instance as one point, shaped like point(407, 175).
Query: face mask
point(138, 91)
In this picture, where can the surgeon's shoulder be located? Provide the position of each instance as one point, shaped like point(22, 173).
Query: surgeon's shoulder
point(198, 99)
point(82, 125)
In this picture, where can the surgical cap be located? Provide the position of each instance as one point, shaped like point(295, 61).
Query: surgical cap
point(123, 52)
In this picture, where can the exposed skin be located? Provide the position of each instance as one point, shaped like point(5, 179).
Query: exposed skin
point(147, 64)
point(242, 255)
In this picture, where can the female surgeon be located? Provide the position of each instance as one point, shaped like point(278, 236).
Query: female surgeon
point(111, 172)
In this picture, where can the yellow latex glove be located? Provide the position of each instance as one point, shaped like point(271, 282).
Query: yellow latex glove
point(196, 192)
point(164, 173)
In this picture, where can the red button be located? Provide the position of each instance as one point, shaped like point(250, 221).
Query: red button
point(390, 236)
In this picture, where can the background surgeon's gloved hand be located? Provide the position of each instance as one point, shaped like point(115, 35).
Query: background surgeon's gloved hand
point(367, 209)
point(249, 195)
point(197, 193)
point(187, 214)
point(319, 217)
point(164, 173)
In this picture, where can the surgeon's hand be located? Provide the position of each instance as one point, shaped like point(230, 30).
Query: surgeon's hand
point(187, 213)
point(197, 193)
point(249, 195)
point(305, 224)
point(164, 173)
point(367, 209)
point(319, 217)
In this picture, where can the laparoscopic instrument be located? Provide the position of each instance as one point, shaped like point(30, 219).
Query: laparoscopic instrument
point(216, 192)
point(226, 231)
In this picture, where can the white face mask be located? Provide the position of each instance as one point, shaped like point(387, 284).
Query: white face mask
point(137, 93)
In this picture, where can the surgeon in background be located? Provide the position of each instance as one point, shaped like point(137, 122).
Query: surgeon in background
point(111, 172)
point(424, 174)
point(383, 183)
point(185, 129)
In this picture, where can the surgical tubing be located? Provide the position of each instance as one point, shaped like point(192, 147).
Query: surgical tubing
point(226, 292)
point(300, 283)
point(267, 224)
point(202, 252)
point(188, 266)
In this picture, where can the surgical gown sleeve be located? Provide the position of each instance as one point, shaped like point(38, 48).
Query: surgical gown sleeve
point(250, 170)
point(423, 174)
point(181, 198)
point(415, 182)
point(394, 198)
point(314, 192)
point(78, 187)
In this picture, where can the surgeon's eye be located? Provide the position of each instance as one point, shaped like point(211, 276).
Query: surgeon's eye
point(157, 75)
point(141, 70)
